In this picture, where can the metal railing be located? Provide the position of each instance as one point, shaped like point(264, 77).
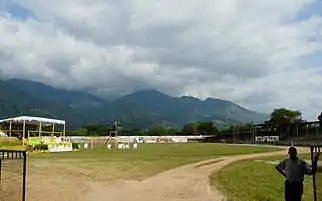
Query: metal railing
point(13, 175)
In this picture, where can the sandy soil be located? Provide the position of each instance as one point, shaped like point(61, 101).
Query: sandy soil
point(188, 183)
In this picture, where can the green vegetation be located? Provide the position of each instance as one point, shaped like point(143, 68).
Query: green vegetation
point(193, 128)
point(205, 128)
point(148, 160)
point(10, 143)
point(282, 115)
point(257, 179)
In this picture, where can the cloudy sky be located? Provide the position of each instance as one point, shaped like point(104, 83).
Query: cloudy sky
point(260, 54)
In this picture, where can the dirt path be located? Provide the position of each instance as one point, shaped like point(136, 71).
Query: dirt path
point(187, 183)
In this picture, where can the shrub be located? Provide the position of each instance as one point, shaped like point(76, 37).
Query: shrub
point(75, 145)
point(29, 147)
point(40, 146)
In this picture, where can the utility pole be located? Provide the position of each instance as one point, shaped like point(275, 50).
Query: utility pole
point(253, 131)
point(234, 130)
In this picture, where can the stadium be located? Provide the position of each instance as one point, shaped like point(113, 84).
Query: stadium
point(154, 156)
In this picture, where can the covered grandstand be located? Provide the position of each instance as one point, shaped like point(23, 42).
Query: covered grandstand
point(301, 133)
point(26, 126)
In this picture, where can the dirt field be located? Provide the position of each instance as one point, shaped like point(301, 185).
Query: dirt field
point(55, 180)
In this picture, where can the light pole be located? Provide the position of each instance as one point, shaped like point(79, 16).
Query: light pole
point(117, 127)
point(317, 129)
point(307, 131)
point(254, 137)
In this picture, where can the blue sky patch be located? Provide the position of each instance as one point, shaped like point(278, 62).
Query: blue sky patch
point(15, 10)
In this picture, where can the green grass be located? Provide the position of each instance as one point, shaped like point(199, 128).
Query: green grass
point(179, 150)
point(249, 180)
point(10, 143)
point(148, 160)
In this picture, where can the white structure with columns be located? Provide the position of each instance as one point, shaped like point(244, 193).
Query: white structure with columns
point(26, 120)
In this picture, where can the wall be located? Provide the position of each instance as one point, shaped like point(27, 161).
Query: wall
point(145, 139)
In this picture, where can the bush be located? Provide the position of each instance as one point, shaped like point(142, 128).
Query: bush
point(28, 147)
point(75, 145)
point(40, 147)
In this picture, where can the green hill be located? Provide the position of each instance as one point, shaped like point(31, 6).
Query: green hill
point(138, 110)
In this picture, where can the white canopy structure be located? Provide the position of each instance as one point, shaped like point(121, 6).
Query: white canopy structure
point(34, 121)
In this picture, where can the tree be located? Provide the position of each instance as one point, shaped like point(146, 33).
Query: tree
point(320, 119)
point(188, 129)
point(283, 115)
point(207, 128)
point(97, 129)
point(201, 128)
point(77, 132)
point(160, 130)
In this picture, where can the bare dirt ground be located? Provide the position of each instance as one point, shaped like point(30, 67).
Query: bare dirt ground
point(188, 183)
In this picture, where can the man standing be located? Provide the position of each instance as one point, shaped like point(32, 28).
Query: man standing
point(294, 169)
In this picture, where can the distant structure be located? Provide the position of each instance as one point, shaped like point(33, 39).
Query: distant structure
point(304, 133)
point(112, 138)
point(25, 126)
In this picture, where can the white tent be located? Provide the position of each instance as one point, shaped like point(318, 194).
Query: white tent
point(34, 120)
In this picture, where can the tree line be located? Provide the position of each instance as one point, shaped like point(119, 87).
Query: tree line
point(280, 115)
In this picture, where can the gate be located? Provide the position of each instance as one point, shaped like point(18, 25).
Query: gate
point(317, 178)
point(12, 175)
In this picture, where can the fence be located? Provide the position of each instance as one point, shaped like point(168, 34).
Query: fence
point(317, 178)
point(12, 175)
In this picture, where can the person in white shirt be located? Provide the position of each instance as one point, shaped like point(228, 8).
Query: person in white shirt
point(294, 169)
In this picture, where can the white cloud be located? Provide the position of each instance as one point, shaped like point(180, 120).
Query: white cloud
point(244, 51)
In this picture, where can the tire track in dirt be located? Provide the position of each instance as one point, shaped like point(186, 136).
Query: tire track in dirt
point(186, 183)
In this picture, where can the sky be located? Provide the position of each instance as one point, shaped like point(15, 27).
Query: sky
point(260, 54)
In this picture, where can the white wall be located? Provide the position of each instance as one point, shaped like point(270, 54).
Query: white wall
point(148, 139)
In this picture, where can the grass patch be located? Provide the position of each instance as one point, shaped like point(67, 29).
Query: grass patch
point(149, 159)
point(10, 143)
point(251, 180)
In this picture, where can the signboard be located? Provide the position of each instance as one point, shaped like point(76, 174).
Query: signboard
point(60, 148)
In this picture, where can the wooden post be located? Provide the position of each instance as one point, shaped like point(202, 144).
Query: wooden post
point(23, 132)
point(10, 128)
point(53, 131)
point(313, 176)
point(0, 172)
point(254, 138)
point(255, 134)
point(39, 130)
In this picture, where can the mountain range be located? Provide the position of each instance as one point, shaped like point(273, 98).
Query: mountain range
point(141, 109)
